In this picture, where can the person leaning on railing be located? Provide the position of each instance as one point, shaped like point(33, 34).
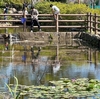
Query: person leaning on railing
point(55, 11)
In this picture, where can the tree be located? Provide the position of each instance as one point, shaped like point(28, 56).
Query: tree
point(78, 1)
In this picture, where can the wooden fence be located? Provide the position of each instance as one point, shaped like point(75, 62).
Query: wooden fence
point(73, 22)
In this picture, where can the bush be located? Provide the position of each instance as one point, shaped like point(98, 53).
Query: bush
point(44, 8)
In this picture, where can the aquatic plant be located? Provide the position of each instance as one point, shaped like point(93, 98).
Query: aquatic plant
point(64, 88)
point(14, 93)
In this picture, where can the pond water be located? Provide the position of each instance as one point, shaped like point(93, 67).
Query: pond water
point(43, 72)
point(76, 60)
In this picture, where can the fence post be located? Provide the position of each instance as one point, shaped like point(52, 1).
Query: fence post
point(24, 24)
point(57, 30)
point(88, 21)
point(92, 22)
point(96, 24)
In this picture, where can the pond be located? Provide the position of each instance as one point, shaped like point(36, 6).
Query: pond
point(75, 61)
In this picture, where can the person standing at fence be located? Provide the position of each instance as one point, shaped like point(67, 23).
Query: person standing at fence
point(25, 12)
point(5, 11)
point(55, 11)
point(34, 18)
point(24, 6)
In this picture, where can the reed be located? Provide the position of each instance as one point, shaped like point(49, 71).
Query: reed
point(14, 93)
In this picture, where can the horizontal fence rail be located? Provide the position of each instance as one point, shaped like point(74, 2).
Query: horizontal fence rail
point(80, 22)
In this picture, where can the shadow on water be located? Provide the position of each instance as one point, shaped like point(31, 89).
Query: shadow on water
point(34, 66)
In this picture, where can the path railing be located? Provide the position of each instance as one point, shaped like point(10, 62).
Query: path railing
point(67, 22)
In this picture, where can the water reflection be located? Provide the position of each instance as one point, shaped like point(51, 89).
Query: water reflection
point(5, 73)
point(56, 66)
point(37, 73)
point(74, 61)
point(40, 69)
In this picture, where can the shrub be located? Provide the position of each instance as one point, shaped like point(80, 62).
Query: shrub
point(44, 8)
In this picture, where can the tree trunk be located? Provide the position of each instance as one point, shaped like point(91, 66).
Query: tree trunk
point(78, 1)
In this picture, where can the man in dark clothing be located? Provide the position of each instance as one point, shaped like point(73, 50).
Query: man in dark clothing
point(5, 11)
point(24, 5)
point(34, 18)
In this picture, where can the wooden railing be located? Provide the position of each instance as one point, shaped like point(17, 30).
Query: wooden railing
point(72, 22)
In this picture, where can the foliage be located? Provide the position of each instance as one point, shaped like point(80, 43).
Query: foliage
point(2, 2)
point(64, 88)
point(44, 8)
